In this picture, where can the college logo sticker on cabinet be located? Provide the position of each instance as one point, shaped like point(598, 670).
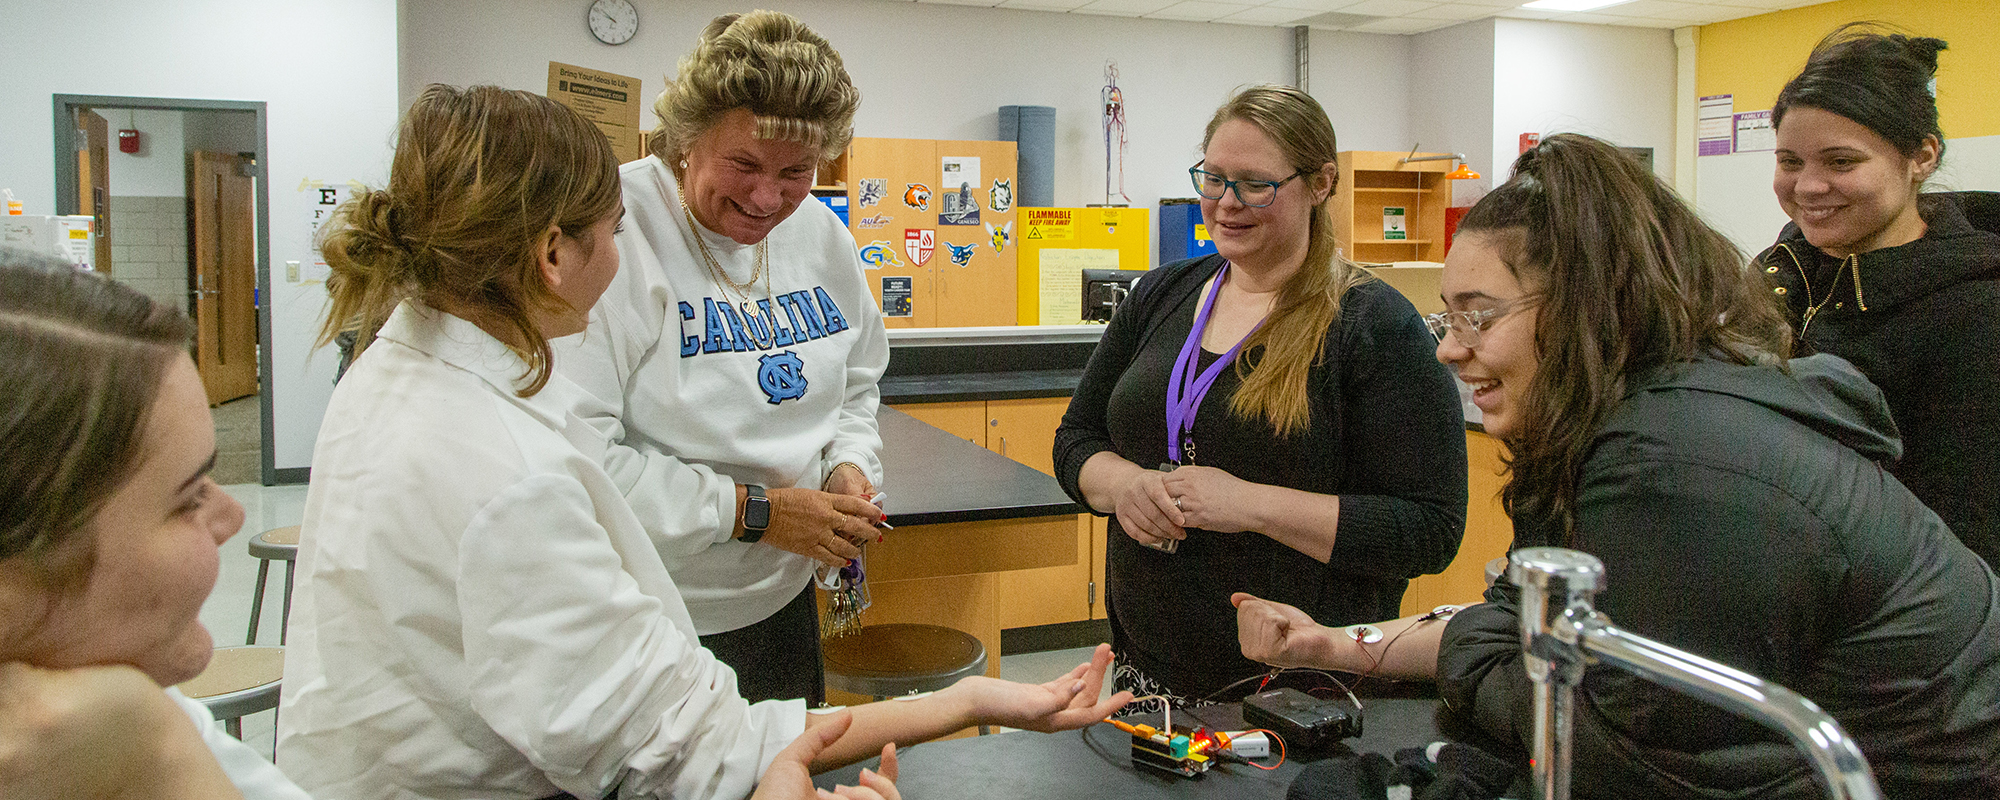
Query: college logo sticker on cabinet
point(953, 203)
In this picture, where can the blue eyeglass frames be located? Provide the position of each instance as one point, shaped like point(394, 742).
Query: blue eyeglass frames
point(1255, 194)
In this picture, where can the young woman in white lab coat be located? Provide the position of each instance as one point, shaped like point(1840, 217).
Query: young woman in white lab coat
point(479, 612)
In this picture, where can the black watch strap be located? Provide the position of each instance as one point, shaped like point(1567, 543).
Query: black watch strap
point(756, 513)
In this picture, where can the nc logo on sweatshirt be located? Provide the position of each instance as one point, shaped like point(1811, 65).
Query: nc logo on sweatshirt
point(782, 376)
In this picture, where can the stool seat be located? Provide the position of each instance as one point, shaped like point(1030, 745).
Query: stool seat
point(898, 659)
point(239, 680)
point(276, 544)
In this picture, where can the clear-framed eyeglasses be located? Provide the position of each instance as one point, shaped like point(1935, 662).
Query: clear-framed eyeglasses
point(1255, 194)
point(1466, 325)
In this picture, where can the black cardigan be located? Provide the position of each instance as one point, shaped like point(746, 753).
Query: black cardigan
point(1386, 435)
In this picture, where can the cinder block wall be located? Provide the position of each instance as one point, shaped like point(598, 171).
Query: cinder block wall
point(149, 249)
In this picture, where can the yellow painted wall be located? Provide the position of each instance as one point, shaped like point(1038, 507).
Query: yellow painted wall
point(1752, 58)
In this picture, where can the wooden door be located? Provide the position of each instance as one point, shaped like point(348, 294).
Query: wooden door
point(93, 180)
point(1489, 532)
point(224, 267)
point(1025, 431)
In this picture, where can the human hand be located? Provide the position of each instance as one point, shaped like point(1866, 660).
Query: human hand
point(104, 732)
point(848, 479)
point(790, 774)
point(820, 525)
point(1146, 511)
point(1210, 499)
point(1062, 704)
point(1280, 635)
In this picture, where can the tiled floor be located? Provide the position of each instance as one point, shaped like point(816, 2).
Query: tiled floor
point(227, 612)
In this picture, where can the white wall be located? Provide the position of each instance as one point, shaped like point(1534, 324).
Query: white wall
point(327, 71)
point(159, 169)
point(1611, 82)
point(1452, 81)
point(942, 72)
point(1364, 81)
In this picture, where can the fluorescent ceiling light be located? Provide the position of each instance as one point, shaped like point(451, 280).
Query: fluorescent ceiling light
point(1572, 5)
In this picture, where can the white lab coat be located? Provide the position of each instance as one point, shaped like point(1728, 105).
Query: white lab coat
point(698, 392)
point(256, 778)
point(480, 614)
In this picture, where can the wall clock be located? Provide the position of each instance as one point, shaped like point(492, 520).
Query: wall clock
point(613, 21)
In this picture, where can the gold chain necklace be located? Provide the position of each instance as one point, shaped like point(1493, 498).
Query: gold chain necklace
point(715, 270)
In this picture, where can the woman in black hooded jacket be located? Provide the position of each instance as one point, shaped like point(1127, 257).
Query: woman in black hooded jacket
point(1903, 284)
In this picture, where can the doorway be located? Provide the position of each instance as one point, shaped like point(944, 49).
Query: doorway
point(181, 213)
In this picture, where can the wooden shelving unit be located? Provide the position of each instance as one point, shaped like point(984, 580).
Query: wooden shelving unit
point(1371, 181)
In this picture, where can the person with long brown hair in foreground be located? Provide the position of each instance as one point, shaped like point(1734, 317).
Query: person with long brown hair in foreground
point(1737, 499)
point(479, 611)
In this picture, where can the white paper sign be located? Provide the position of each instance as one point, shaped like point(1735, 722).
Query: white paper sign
point(959, 171)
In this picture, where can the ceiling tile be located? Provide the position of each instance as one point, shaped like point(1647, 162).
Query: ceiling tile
point(1527, 13)
point(1402, 25)
point(1042, 5)
point(1267, 15)
point(1124, 7)
point(1198, 10)
point(1455, 11)
point(1387, 8)
point(1311, 5)
point(986, 3)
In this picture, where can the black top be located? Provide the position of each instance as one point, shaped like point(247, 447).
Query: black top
point(937, 478)
point(1922, 321)
point(1741, 515)
point(1386, 435)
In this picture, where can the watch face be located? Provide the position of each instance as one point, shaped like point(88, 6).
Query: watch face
point(613, 21)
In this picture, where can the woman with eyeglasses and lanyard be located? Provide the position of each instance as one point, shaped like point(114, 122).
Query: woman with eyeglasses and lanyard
point(1266, 417)
point(1737, 500)
point(1904, 284)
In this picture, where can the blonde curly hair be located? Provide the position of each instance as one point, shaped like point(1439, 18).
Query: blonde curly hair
point(790, 78)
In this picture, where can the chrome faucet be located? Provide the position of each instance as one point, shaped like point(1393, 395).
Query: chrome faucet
point(1561, 633)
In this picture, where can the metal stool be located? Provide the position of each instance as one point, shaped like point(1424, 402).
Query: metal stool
point(884, 661)
point(239, 681)
point(277, 544)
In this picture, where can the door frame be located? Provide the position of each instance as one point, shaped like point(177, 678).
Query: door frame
point(65, 107)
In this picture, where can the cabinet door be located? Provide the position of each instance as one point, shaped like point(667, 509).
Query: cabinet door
point(906, 172)
point(1025, 430)
point(972, 282)
point(965, 420)
point(1488, 532)
point(1100, 544)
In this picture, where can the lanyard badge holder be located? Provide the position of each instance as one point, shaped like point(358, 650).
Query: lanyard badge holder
point(1189, 385)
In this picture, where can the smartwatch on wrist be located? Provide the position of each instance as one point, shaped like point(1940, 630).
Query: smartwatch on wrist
point(756, 513)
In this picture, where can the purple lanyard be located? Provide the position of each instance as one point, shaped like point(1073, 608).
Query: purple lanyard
point(1185, 389)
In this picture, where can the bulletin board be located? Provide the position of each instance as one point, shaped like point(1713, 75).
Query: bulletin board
point(1061, 242)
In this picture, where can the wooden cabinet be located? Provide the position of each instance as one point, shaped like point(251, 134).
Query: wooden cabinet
point(1489, 533)
point(928, 247)
point(1025, 430)
point(1374, 183)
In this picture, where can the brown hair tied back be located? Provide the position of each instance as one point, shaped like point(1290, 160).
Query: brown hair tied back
point(1627, 279)
point(84, 358)
point(479, 177)
point(1878, 78)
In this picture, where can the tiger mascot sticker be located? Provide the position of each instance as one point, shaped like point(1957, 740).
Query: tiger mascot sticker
point(918, 196)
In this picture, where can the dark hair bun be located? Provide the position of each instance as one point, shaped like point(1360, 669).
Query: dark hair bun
point(1875, 77)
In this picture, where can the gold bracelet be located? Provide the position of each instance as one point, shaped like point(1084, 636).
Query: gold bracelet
point(857, 468)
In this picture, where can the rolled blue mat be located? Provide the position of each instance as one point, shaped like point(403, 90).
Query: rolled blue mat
point(1033, 131)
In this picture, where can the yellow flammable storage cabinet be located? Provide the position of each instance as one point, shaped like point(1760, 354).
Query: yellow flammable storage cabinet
point(933, 220)
point(1058, 244)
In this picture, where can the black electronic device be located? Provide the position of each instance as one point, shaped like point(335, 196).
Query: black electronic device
point(1104, 289)
point(1305, 722)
